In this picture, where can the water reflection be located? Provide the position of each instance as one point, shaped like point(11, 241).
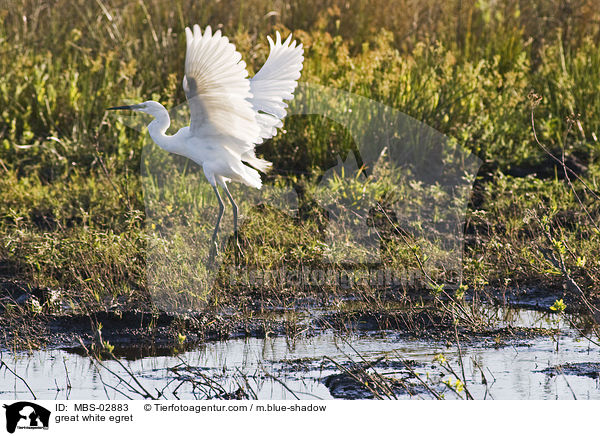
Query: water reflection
point(278, 368)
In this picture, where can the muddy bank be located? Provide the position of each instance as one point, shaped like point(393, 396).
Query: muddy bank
point(324, 366)
point(582, 369)
point(35, 317)
point(137, 334)
point(404, 347)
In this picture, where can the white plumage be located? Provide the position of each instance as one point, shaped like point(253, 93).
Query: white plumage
point(229, 113)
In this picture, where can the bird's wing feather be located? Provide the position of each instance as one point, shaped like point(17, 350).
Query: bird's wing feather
point(217, 88)
point(276, 82)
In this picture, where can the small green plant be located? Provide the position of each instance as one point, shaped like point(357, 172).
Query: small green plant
point(440, 358)
point(455, 385)
point(459, 293)
point(108, 347)
point(559, 306)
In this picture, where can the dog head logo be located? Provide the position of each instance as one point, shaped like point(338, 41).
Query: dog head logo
point(26, 415)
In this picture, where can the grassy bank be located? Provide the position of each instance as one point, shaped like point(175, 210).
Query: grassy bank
point(73, 213)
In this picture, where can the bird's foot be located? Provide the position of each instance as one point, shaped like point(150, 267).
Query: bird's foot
point(237, 250)
point(213, 253)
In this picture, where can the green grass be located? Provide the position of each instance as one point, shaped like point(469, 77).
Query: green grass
point(78, 213)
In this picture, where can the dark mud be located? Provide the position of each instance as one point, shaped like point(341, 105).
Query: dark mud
point(40, 317)
point(138, 334)
point(354, 385)
point(582, 369)
point(364, 380)
point(125, 330)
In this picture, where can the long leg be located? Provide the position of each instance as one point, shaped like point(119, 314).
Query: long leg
point(235, 219)
point(214, 246)
point(235, 208)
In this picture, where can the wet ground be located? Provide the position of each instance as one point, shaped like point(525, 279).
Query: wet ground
point(326, 364)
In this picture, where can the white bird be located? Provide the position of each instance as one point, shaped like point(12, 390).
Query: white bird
point(229, 113)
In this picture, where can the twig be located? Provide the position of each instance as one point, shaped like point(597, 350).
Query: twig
point(535, 101)
point(462, 367)
point(144, 393)
point(67, 374)
point(484, 379)
point(560, 264)
point(268, 374)
point(384, 388)
point(2, 363)
point(400, 232)
point(414, 374)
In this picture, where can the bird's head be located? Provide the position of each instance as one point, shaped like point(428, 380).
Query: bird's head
point(149, 107)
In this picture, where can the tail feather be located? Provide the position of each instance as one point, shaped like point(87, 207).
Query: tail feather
point(250, 177)
point(260, 164)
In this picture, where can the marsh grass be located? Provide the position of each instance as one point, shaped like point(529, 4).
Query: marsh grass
point(77, 212)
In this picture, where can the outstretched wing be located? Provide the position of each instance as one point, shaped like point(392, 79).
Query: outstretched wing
point(217, 88)
point(274, 83)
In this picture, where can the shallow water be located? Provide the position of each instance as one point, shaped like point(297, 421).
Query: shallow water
point(269, 368)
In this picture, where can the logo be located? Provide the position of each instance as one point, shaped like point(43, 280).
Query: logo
point(26, 415)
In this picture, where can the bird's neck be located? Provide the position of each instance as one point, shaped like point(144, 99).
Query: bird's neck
point(158, 131)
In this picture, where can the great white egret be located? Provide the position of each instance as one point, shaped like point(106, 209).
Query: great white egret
point(229, 113)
